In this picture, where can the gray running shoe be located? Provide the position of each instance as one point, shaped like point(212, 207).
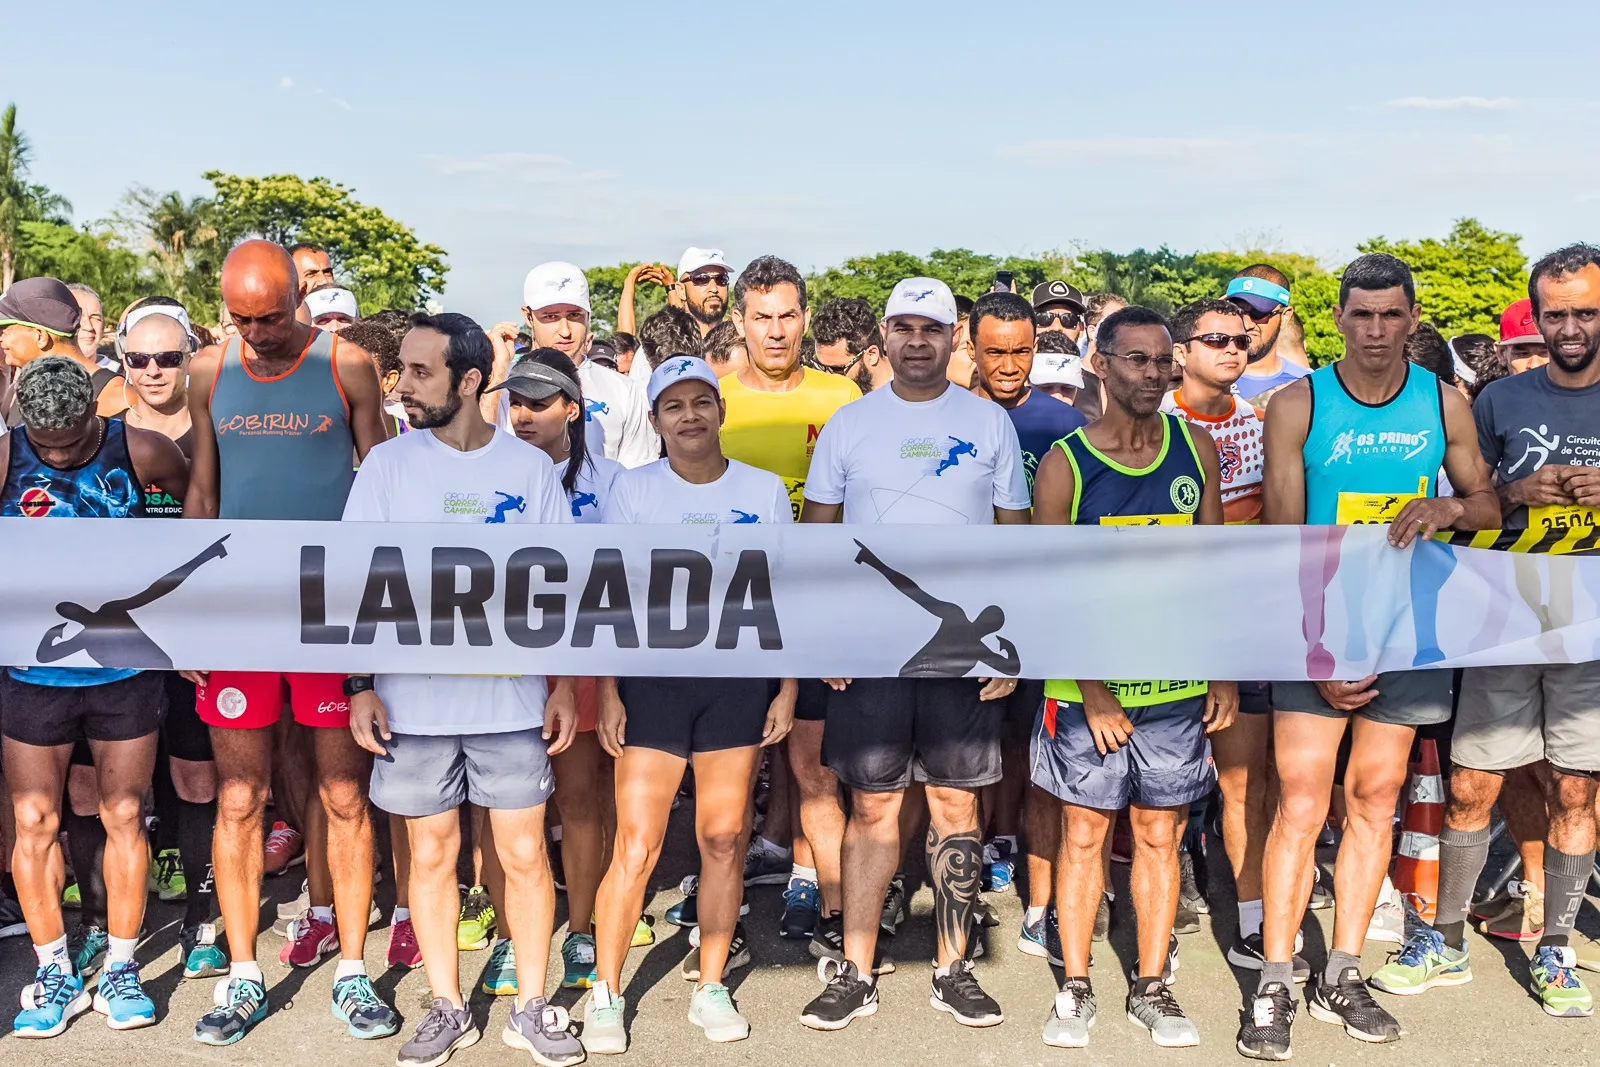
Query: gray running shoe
point(541, 1029)
point(1071, 1016)
point(1156, 1009)
point(603, 1032)
point(443, 1030)
point(738, 954)
point(711, 1009)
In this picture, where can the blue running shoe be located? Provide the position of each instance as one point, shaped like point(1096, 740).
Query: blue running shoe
point(500, 974)
point(577, 961)
point(999, 866)
point(802, 905)
point(49, 1003)
point(120, 997)
point(358, 1006)
point(241, 1003)
point(1043, 938)
point(202, 956)
point(87, 947)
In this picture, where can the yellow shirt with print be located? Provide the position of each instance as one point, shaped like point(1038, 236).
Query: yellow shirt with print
point(777, 432)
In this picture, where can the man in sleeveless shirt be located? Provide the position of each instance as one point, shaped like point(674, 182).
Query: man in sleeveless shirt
point(279, 413)
point(1100, 746)
point(67, 462)
point(1359, 441)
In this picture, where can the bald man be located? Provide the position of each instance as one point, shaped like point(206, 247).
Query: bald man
point(278, 412)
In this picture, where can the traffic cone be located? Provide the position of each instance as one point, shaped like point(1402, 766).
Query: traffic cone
point(1416, 866)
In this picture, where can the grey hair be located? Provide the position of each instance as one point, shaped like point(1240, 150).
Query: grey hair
point(53, 393)
point(79, 287)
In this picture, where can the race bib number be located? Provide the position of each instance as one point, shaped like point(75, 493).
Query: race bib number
point(1563, 518)
point(1147, 520)
point(1367, 509)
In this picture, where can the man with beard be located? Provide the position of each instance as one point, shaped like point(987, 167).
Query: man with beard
point(700, 288)
point(1262, 293)
point(1540, 430)
point(850, 343)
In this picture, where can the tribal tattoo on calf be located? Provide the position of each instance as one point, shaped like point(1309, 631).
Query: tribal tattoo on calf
point(955, 862)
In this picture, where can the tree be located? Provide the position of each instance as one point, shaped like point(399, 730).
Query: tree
point(20, 200)
point(93, 257)
point(380, 258)
point(605, 294)
point(181, 244)
point(1314, 297)
point(968, 273)
point(1466, 280)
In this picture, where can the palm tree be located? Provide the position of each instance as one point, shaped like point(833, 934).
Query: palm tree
point(182, 243)
point(20, 200)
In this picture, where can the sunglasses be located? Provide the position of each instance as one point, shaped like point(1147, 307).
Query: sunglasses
point(1140, 361)
point(1255, 316)
point(164, 360)
point(1070, 319)
point(709, 278)
point(1220, 341)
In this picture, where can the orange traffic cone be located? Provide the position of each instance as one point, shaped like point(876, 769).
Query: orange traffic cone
point(1416, 866)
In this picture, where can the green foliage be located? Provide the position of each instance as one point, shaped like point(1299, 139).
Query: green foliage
point(83, 255)
point(181, 244)
point(379, 258)
point(968, 273)
point(21, 201)
point(605, 294)
point(1313, 298)
point(1466, 280)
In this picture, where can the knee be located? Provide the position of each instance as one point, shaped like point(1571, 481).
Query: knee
point(875, 809)
point(122, 815)
point(344, 799)
point(1084, 837)
point(241, 800)
point(1472, 795)
point(37, 825)
point(195, 783)
point(1571, 796)
point(1301, 810)
point(1374, 798)
point(1156, 834)
point(433, 855)
point(719, 845)
point(952, 808)
point(633, 855)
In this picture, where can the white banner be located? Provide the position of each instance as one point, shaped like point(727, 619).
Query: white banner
point(778, 601)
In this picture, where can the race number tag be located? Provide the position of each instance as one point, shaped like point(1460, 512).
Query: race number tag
point(1563, 518)
point(1366, 509)
point(1147, 520)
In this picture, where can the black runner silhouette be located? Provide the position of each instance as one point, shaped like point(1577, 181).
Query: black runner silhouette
point(957, 646)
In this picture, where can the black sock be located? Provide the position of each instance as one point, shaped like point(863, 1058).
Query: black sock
point(1454, 934)
point(194, 824)
point(86, 844)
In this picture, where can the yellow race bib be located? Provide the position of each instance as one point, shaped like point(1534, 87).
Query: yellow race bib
point(1147, 520)
point(1365, 509)
point(1552, 518)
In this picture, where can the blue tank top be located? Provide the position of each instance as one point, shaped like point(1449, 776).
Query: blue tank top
point(103, 487)
point(283, 444)
point(1364, 461)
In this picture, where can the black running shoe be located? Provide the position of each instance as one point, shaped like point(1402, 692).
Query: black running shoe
point(1169, 966)
point(958, 993)
point(828, 944)
point(1102, 918)
point(848, 996)
point(1349, 1003)
point(1186, 920)
point(801, 904)
point(894, 906)
point(1265, 1023)
point(1245, 952)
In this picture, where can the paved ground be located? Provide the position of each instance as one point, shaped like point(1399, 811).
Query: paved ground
point(1490, 1021)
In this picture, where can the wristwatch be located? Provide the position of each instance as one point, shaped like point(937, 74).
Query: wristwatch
point(357, 683)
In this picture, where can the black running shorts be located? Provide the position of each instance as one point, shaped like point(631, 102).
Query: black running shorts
point(882, 730)
point(49, 715)
point(688, 715)
point(183, 735)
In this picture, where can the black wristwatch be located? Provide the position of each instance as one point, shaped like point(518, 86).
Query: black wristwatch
point(357, 683)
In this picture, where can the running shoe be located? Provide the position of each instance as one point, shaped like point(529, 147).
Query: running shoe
point(202, 955)
point(1102, 918)
point(1422, 963)
point(1246, 952)
point(1185, 920)
point(1349, 1003)
point(120, 997)
point(894, 906)
point(71, 898)
point(1515, 914)
point(738, 954)
point(1152, 1006)
point(802, 901)
point(603, 1032)
point(1071, 1016)
point(765, 867)
point(999, 867)
point(364, 1013)
point(443, 1030)
point(1043, 938)
point(686, 912)
point(49, 1003)
point(403, 948)
point(543, 1031)
point(644, 934)
point(87, 947)
point(166, 876)
point(847, 997)
point(241, 1003)
point(12, 924)
point(500, 973)
point(1388, 923)
point(1321, 899)
point(1169, 966)
point(958, 993)
point(711, 1009)
point(310, 940)
point(1191, 877)
point(827, 944)
point(285, 848)
point(1560, 991)
point(577, 961)
point(1265, 1024)
point(475, 926)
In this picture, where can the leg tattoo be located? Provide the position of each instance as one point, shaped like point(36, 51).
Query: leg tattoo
point(954, 862)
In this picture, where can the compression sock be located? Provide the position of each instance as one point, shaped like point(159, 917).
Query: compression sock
point(1338, 963)
point(1565, 877)
point(86, 845)
point(195, 823)
point(1462, 854)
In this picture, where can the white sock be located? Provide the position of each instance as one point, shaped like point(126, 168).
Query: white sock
point(55, 952)
point(348, 968)
point(1249, 917)
point(772, 849)
point(401, 914)
point(802, 874)
point(120, 949)
point(1033, 915)
point(555, 832)
point(325, 914)
point(249, 970)
point(941, 972)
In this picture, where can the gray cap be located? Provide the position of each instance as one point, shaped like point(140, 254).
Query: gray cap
point(533, 380)
point(43, 303)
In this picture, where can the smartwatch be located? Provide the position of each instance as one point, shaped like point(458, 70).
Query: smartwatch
point(357, 683)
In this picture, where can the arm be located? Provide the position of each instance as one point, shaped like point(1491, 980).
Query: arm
point(1475, 505)
point(1053, 486)
point(503, 337)
point(157, 461)
point(358, 376)
point(1210, 513)
point(812, 511)
point(627, 320)
point(202, 499)
point(1283, 440)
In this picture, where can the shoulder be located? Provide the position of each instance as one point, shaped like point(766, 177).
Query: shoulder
point(516, 450)
point(601, 469)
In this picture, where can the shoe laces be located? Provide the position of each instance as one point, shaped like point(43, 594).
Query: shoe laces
point(1558, 972)
point(358, 990)
point(799, 893)
point(476, 904)
point(1159, 999)
point(166, 866)
point(690, 885)
point(578, 951)
point(48, 985)
point(441, 1013)
point(500, 956)
point(123, 981)
point(718, 994)
point(961, 980)
point(840, 977)
point(1415, 952)
point(1075, 998)
point(548, 1018)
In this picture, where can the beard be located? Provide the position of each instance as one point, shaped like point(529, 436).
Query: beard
point(432, 418)
point(706, 317)
point(1581, 364)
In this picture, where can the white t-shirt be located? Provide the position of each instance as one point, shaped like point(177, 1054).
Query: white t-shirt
point(616, 416)
point(655, 494)
point(417, 478)
point(949, 461)
point(592, 488)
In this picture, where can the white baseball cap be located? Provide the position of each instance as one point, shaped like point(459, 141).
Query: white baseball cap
point(694, 259)
point(332, 301)
point(680, 369)
point(927, 297)
point(1057, 368)
point(554, 283)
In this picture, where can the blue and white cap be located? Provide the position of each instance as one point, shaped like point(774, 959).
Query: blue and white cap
point(555, 283)
point(928, 297)
point(1260, 294)
point(675, 369)
point(1057, 368)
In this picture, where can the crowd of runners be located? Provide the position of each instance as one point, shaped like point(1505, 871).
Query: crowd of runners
point(741, 402)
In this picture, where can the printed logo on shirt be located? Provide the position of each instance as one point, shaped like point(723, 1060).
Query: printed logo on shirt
point(35, 502)
point(591, 408)
point(1185, 494)
point(943, 453)
point(1542, 447)
point(1231, 459)
point(1350, 446)
point(581, 500)
point(273, 424)
point(476, 506)
point(714, 518)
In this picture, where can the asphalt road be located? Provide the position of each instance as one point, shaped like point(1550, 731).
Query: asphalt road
point(1492, 1020)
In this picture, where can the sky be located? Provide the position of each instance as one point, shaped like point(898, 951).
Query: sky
point(602, 132)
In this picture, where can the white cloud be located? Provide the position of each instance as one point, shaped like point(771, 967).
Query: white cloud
point(1452, 103)
point(286, 82)
point(342, 102)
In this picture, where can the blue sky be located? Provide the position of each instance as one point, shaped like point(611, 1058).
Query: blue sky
point(596, 132)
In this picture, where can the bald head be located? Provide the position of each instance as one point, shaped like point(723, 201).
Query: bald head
point(157, 333)
point(261, 292)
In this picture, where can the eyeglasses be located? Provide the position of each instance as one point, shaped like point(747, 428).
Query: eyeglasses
point(1070, 319)
point(1255, 315)
point(717, 278)
point(164, 360)
point(1220, 341)
point(1140, 361)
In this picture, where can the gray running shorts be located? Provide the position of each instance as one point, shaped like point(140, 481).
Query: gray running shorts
point(1165, 764)
point(424, 775)
point(1405, 698)
point(1512, 716)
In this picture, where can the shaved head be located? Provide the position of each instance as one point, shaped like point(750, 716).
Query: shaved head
point(261, 292)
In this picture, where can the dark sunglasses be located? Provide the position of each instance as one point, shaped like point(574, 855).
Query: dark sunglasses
point(709, 278)
point(164, 360)
point(1220, 341)
point(1070, 319)
point(1140, 361)
point(1255, 316)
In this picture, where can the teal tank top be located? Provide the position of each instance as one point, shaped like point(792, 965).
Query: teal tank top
point(284, 444)
point(1364, 461)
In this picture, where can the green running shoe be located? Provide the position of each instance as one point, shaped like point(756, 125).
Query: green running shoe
point(475, 928)
point(1422, 963)
point(1561, 992)
point(500, 976)
point(166, 876)
point(577, 959)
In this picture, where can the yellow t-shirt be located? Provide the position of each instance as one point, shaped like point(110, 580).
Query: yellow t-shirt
point(778, 431)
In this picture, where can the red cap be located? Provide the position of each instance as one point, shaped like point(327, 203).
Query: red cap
point(1516, 325)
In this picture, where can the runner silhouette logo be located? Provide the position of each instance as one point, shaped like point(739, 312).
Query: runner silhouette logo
point(959, 644)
